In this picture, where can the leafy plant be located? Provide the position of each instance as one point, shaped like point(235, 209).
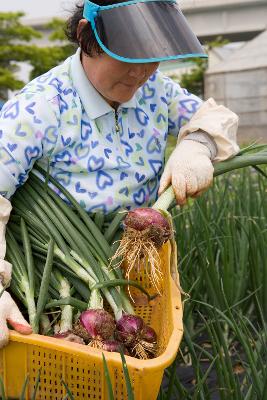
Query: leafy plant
point(57, 52)
point(13, 36)
point(16, 46)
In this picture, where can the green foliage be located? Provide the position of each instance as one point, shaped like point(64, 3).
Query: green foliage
point(57, 26)
point(12, 49)
point(8, 80)
point(193, 81)
point(16, 46)
point(49, 57)
point(11, 27)
point(222, 242)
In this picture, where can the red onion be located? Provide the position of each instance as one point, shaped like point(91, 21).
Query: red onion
point(128, 328)
point(79, 330)
point(152, 221)
point(146, 230)
point(138, 337)
point(95, 326)
point(149, 335)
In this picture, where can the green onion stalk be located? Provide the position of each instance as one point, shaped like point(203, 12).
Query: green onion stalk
point(65, 325)
point(45, 325)
point(60, 289)
point(147, 229)
point(167, 200)
point(51, 283)
point(23, 278)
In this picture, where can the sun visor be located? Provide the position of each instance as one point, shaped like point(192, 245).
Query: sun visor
point(143, 31)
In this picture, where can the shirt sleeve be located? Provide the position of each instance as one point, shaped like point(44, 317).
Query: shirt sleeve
point(182, 105)
point(28, 131)
point(220, 123)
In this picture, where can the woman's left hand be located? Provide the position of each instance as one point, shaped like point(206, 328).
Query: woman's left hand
point(189, 170)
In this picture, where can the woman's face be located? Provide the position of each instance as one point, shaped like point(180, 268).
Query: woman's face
point(115, 80)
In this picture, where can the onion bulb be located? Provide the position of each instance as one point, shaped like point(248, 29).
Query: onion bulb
point(95, 326)
point(145, 231)
point(139, 338)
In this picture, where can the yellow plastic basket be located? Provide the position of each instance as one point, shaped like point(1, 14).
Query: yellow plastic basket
point(81, 367)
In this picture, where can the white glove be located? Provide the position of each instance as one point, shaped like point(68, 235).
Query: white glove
point(9, 311)
point(189, 170)
point(5, 209)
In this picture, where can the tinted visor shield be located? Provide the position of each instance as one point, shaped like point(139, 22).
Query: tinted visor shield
point(145, 32)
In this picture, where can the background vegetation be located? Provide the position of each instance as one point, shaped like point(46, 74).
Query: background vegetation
point(222, 241)
point(16, 46)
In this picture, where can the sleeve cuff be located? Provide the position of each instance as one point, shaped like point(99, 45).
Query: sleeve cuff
point(5, 272)
point(204, 138)
point(8, 182)
point(218, 122)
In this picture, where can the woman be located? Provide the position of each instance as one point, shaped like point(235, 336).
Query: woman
point(101, 120)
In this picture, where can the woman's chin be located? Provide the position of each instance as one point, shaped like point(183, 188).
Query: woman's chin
point(124, 99)
point(122, 96)
point(126, 93)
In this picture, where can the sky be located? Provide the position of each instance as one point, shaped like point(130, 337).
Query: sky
point(38, 8)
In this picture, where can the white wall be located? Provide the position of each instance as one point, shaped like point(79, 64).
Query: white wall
point(38, 8)
point(244, 92)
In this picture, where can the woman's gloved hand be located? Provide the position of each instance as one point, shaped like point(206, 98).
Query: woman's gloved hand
point(9, 311)
point(189, 170)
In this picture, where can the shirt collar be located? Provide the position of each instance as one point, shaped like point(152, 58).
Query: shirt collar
point(94, 104)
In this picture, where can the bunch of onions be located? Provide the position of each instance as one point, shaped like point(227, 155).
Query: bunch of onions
point(96, 326)
point(130, 333)
point(98, 329)
point(147, 229)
